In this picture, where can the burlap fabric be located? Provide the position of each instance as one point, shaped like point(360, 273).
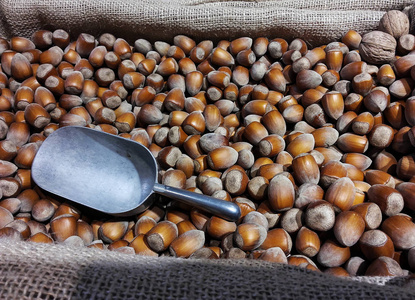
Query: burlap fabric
point(317, 21)
point(32, 271)
point(35, 271)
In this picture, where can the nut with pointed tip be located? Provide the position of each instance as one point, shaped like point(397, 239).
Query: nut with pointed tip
point(249, 236)
point(401, 229)
point(187, 243)
point(307, 242)
point(332, 254)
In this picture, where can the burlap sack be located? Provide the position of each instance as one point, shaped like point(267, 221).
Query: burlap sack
point(317, 22)
point(34, 271)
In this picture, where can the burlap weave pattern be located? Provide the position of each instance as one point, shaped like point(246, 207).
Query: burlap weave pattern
point(316, 22)
point(41, 271)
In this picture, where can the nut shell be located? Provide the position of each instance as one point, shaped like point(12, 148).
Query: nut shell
point(377, 47)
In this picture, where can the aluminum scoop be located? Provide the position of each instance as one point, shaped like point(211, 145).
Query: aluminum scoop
point(110, 174)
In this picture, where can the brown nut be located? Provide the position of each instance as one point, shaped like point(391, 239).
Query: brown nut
point(281, 193)
point(377, 47)
point(394, 22)
point(348, 228)
point(401, 230)
point(384, 266)
point(341, 194)
point(249, 236)
point(187, 243)
point(320, 215)
point(307, 242)
point(389, 200)
point(278, 237)
point(222, 158)
point(376, 243)
point(333, 254)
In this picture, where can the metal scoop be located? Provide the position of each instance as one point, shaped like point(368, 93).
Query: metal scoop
point(110, 174)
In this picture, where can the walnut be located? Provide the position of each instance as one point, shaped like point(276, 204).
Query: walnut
point(394, 22)
point(377, 47)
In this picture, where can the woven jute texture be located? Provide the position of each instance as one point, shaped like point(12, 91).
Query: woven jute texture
point(317, 22)
point(36, 271)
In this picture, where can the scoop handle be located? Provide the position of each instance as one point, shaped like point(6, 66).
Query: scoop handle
point(225, 209)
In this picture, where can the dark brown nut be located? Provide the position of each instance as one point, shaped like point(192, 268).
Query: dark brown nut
point(320, 215)
point(401, 88)
point(222, 158)
point(349, 142)
point(62, 227)
point(257, 187)
point(141, 247)
point(184, 226)
point(333, 104)
point(352, 69)
point(144, 225)
point(277, 237)
point(292, 220)
point(359, 160)
point(281, 193)
point(275, 80)
point(85, 232)
point(332, 254)
point(211, 141)
point(341, 194)
point(11, 233)
point(187, 243)
point(389, 200)
point(401, 230)
point(376, 243)
point(275, 255)
point(20, 67)
point(218, 228)
point(249, 236)
point(348, 228)
point(257, 218)
point(371, 214)
point(303, 143)
point(407, 190)
point(307, 193)
point(53, 56)
point(43, 210)
point(307, 242)
point(307, 79)
point(384, 266)
point(161, 236)
point(394, 22)
point(381, 136)
point(277, 47)
point(305, 169)
point(274, 122)
point(330, 172)
point(377, 47)
point(379, 177)
point(315, 116)
point(352, 39)
point(6, 217)
point(386, 75)
point(271, 145)
point(236, 182)
point(337, 271)
point(36, 115)
point(362, 83)
point(356, 266)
